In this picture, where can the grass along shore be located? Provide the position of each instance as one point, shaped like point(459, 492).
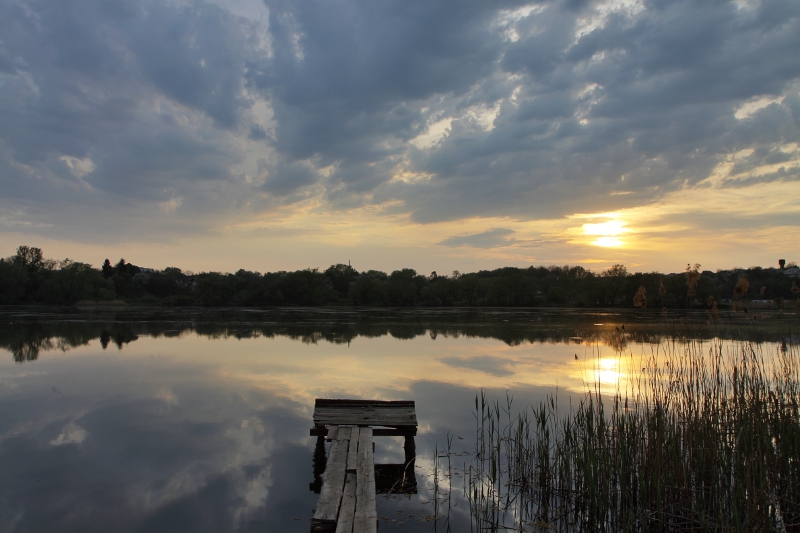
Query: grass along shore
point(706, 438)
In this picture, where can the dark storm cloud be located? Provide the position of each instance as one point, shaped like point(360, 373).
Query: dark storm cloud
point(552, 107)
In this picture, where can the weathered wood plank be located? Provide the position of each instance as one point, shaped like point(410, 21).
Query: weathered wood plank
point(365, 421)
point(396, 431)
point(366, 515)
point(348, 508)
point(352, 454)
point(365, 417)
point(332, 432)
point(332, 484)
point(366, 406)
point(371, 413)
point(327, 409)
point(381, 408)
point(343, 433)
point(322, 409)
point(405, 418)
point(345, 401)
point(385, 412)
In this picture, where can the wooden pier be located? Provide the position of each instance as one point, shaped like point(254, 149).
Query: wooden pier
point(347, 477)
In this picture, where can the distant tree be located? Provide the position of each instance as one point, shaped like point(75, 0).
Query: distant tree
point(557, 295)
point(340, 277)
point(13, 280)
point(578, 272)
point(28, 257)
point(107, 269)
point(614, 283)
point(616, 271)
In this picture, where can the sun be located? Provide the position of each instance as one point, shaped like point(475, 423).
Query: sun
point(609, 234)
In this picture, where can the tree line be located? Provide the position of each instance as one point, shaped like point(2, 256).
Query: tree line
point(29, 278)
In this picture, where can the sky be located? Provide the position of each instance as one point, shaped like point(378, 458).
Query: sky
point(428, 134)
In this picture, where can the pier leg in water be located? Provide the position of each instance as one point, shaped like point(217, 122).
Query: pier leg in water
point(319, 461)
point(410, 448)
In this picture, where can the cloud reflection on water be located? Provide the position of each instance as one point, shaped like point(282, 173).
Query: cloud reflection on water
point(192, 426)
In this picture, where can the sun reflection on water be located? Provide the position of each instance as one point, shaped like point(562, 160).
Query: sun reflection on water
point(607, 372)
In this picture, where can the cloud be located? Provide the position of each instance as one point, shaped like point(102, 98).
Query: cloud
point(481, 363)
point(497, 109)
point(488, 239)
point(72, 434)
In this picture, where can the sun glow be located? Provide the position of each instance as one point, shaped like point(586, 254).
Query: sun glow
point(608, 372)
point(608, 242)
point(609, 233)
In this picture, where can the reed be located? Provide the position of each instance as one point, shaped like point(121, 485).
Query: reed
point(704, 439)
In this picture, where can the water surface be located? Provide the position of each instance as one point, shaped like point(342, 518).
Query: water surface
point(192, 420)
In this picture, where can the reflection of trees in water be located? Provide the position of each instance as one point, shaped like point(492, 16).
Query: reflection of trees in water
point(26, 340)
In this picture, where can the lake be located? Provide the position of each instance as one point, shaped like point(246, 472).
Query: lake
point(198, 420)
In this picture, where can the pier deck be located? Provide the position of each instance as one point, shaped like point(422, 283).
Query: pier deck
point(347, 486)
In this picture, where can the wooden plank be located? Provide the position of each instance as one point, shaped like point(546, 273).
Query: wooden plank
point(403, 418)
point(332, 432)
point(366, 421)
point(343, 433)
point(323, 409)
point(348, 509)
point(338, 401)
point(322, 414)
point(366, 514)
point(382, 413)
point(375, 407)
point(352, 454)
point(396, 431)
point(364, 417)
point(357, 419)
point(332, 484)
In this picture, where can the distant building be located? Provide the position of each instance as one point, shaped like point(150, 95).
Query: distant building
point(792, 272)
point(147, 270)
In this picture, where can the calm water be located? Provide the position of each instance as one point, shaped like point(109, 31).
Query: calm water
point(190, 420)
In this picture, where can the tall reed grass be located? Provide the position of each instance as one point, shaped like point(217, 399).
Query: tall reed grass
point(705, 439)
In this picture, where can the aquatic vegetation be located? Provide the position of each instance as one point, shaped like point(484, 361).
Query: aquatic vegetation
point(705, 438)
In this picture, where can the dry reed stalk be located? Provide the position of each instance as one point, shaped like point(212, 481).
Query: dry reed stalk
point(640, 298)
point(742, 286)
point(700, 440)
point(692, 277)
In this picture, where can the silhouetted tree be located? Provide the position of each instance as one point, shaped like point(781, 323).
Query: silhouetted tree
point(29, 257)
point(107, 269)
